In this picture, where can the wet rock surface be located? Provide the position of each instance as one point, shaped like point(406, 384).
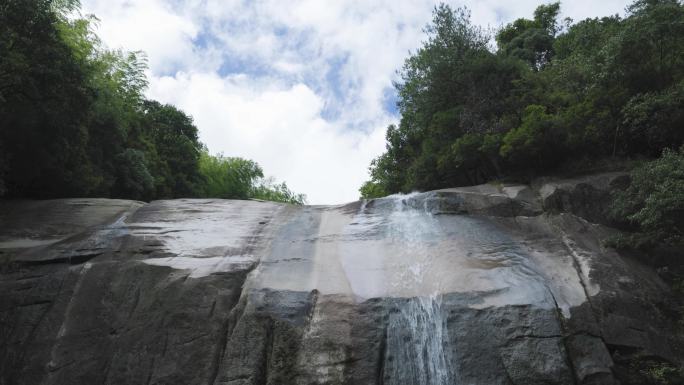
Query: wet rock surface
point(481, 285)
point(587, 197)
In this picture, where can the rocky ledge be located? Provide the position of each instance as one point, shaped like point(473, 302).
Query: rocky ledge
point(492, 284)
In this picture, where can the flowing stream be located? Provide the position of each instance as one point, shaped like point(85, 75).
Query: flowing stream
point(417, 332)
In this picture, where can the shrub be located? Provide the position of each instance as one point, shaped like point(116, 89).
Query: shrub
point(654, 202)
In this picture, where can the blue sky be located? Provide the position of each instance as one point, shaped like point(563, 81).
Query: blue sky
point(303, 87)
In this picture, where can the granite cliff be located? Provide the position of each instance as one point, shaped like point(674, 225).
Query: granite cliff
point(492, 284)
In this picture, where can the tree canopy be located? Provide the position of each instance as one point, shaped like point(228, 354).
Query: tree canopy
point(546, 93)
point(74, 120)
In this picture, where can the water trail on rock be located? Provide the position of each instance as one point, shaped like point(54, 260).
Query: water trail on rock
point(417, 332)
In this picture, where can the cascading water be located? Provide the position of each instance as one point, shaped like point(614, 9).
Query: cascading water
point(417, 336)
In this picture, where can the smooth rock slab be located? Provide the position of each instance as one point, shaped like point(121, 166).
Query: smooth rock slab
point(489, 288)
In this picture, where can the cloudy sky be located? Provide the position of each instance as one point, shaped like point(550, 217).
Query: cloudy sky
point(303, 87)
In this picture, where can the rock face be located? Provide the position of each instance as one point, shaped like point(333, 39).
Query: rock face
point(480, 285)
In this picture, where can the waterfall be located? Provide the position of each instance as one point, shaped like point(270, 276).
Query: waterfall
point(417, 336)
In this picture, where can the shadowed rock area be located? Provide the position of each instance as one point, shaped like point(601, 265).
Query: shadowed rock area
point(492, 284)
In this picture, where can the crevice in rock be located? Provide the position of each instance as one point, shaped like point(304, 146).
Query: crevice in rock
point(567, 243)
point(70, 260)
point(24, 288)
point(515, 208)
point(532, 336)
point(53, 369)
point(213, 307)
point(150, 373)
point(268, 350)
point(226, 331)
point(31, 336)
point(77, 287)
point(588, 334)
point(219, 350)
point(563, 329)
point(188, 341)
point(62, 329)
point(382, 357)
point(237, 311)
point(34, 303)
point(105, 373)
point(166, 343)
point(624, 349)
point(136, 301)
point(576, 264)
point(314, 301)
point(22, 279)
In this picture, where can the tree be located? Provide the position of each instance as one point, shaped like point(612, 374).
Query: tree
point(451, 86)
point(74, 120)
point(229, 178)
point(608, 87)
point(133, 180)
point(370, 190)
point(43, 105)
point(654, 202)
point(267, 189)
point(526, 146)
point(175, 149)
point(531, 40)
point(654, 120)
point(237, 178)
point(648, 53)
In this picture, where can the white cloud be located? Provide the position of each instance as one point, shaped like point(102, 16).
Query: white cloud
point(151, 26)
point(297, 87)
point(280, 126)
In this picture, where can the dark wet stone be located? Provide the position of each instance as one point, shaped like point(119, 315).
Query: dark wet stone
point(118, 292)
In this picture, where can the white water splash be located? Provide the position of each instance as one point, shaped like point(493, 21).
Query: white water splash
point(417, 332)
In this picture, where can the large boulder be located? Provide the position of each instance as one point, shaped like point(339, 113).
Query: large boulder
point(588, 197)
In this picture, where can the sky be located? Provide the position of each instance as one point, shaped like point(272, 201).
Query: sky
point(303, 87)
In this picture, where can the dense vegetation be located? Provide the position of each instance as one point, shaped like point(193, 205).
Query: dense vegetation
point(545, 95)
point(74, 120)
point(654, 204)
point(239, 178)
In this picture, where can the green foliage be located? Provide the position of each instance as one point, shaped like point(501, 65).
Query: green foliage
point(530, 142)
point(654, 202)
point(649, 371)
point(370, 190)
point(663, 374)
point(388, 170)
point(226, 177)
point(531, 40)
point(174, 146)
point(237, 178)
point(453, 86)
point(551, 93)
point(648, 50)
point(656, 118)
point(268, 190)
point(43, 107)
point(74, 120)
point(133, 178)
